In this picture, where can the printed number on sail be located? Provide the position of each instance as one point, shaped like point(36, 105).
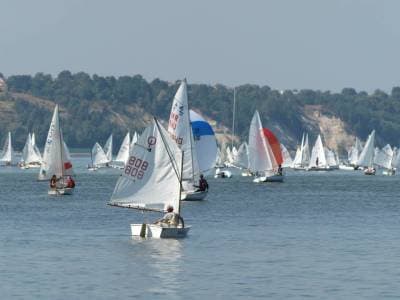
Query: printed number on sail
point(136, 167)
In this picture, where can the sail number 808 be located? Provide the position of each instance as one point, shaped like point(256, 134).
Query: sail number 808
point(136, 167)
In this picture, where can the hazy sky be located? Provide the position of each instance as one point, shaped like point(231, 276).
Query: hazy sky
point(284, 44)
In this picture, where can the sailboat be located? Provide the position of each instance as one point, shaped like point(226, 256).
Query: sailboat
point(31, 157)
point(180, 130)
point(7, 157)
point(331, 159)
point(56, 158)
point(98, 158)
point(287, 159)
point(123, 153)
point(242, 159)
point(302, 157)
point(366, 158)
point(265, 154)
point(204, 141)
point(385, 158)
point(152, 181)
point(318, 160)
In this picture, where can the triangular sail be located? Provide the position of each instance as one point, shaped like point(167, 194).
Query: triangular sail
point(123, 153)
point(274, 148)
point(305, 155)
point(287, 159)
point(331, 158)
point(204, 140)
point(384, 157)
point(108, 148)
point(180, 130)
point(151, 178)
point(8, 152)
point(366, 157)
point(29, 154)
point(99, 158)
point(318, 158)
point(56, 158)
point(242, 157)
point(259, 158)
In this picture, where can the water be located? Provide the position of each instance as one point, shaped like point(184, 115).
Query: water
point(319, 235)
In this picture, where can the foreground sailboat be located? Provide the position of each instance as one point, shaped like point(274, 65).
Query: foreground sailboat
point(265, 156)
point(180, 130)
point(152, 181)
point(7, 158)
point(56, 158)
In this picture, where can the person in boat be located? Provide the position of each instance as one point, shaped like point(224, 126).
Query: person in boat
point(280, 170)
point(70, 182)
point(170, 218)
point(203, 184)
point(317, 161)
point(53, 182)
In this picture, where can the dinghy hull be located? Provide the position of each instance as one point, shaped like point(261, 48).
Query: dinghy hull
point(194, 195)
point(158, 231)
point(272, 178)
point(61, 191)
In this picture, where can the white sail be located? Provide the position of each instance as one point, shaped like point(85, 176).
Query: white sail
point(29, 154)
point(259, 157)
point(99, 158)
point(204, 140)
point(180, 130)
point(384, 157)
point(7, 155)
point(366, 157)
point(331, 158)
point(35, 147)
point(305, 152)
point(318, 158)
point(354, 152)
point(242, 156)
point(287, 160)
point(297, 158)
point(151, 177)
point(56, 158)
point(123, 153)
point(108, 148)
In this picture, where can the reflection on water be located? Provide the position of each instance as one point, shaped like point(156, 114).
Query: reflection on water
point(163, 257)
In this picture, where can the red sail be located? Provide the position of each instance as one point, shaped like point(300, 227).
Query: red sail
point(275, 145)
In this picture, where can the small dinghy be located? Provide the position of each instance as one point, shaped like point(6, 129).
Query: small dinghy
point(265, 154)
point(366, 158)
point(56, 159)
point(7, 158)
point(152, 181)
point(222, 173)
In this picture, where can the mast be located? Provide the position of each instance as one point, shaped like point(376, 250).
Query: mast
point(61, 145)
point(180, 184)
point(233, 117)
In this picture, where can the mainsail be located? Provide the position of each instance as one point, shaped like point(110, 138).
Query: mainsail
point(366, 157)
point(108, 148)
point(242, 157)
point(99, 158)
point(123, 153)
point(287, 159)
point(8, 152)
point(318, 158)
point(384, 157)
point(151, 178)
point(29, 153)
point(180, 130)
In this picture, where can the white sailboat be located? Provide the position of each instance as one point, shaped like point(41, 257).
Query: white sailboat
point(302, 157)
point(318, 160)
point(31, 157)
point(366, 158)
point(385, 158)
point(7, 157)
point(56, 158)
point(98, 157)
point(123, 153)
point(152, 181)
point(331, 159)
point(264, 157)
point(287, 159)
point(242, 159)
point(180, 130)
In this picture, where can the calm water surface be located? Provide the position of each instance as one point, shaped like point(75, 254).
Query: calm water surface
point(319, 235)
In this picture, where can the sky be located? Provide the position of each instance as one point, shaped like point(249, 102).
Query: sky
point(317, 44)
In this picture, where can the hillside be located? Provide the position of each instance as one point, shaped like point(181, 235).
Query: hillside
point(92, 107)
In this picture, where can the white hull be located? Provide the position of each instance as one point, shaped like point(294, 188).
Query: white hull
point(272, 178)
point(194, 195)
point(92, 169)
point(346, 168)
point(389, 172)
point(158, 231)
point(320, 169)
point(223, 174)
point(246, 174)
point(61, 191)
